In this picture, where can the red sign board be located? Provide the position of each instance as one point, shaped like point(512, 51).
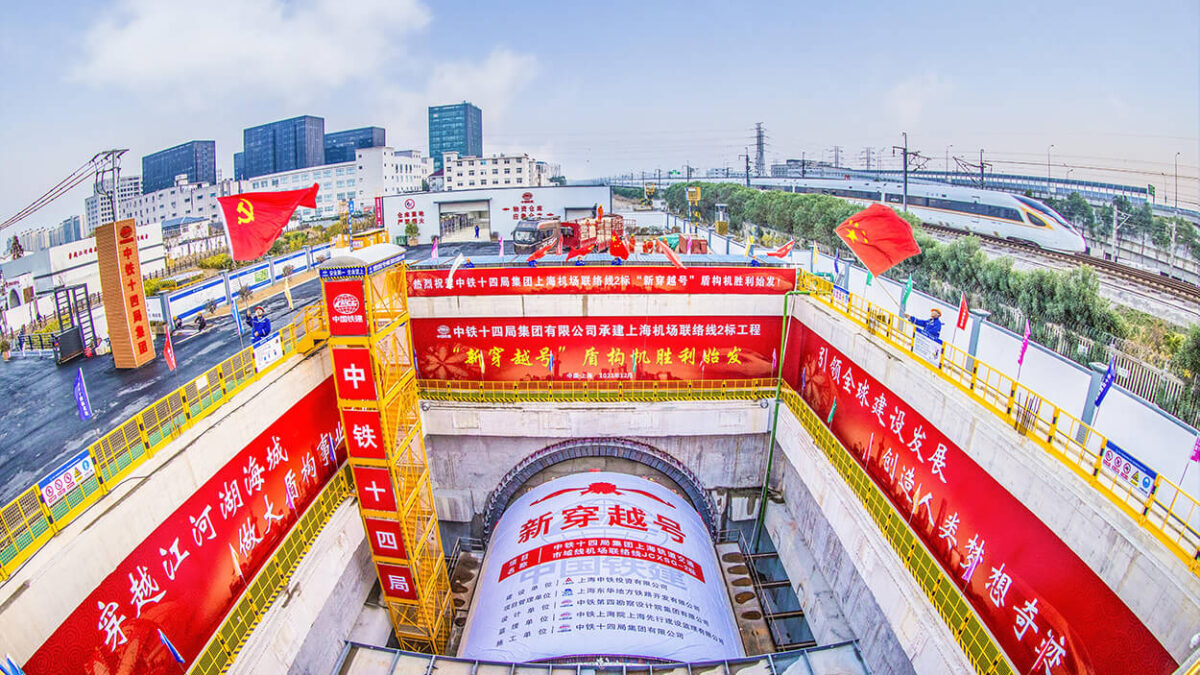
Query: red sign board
point(597, 348)
point(374, 488)
point(622, 279)
point(386, 539)
point(364, 434)
point(1040, 601)
point(352, 372)
point(345, 307)
point(397, 581)
point(189, 572)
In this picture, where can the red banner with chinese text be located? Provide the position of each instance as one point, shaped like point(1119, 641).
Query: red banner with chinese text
point(597, 348)
point(614, 279)
point(185, 576)
point(1047, 609)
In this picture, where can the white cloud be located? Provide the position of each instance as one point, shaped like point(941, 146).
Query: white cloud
point(909, 100)
point(492, 84)
point(246, 48)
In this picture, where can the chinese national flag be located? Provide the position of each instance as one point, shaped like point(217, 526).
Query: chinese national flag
point(666, 250)
point(255, 219)
point(169, 351)
point(618, 249)
point(583, 250)
point(880, 238)
point(782, 251)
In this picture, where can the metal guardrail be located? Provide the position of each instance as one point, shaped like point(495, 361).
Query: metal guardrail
point(1168, 513)
point(637, 391)
point(26, 523)
point(964, 623)
point(224, 646)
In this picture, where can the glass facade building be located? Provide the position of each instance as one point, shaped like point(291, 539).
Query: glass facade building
point(196, 159)
point(239, 165)
point(340, 145)
point(296, 143)
point(455, 128)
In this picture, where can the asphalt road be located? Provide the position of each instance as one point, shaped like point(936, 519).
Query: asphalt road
point(39, 425)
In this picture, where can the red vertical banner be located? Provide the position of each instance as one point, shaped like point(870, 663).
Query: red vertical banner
point(346, 307)
point(1040, 601)
point(186, 576)
point(386, 539)
point(375, 490)
point(352, 373)
point(963, 312)
point(397, 581)
point(364, 434)
point(597, 348)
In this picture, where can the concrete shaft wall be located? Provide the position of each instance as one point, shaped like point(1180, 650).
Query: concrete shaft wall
point(51, 585)
point(1156, 585)
point(472, 446)
point(849, 580)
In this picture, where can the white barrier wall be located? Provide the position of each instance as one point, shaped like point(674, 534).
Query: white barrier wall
point(1137, 426)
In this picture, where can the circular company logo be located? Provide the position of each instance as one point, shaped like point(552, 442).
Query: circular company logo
point(410, 203)
point(527, 197)
point(345, 304)
point(443, 331)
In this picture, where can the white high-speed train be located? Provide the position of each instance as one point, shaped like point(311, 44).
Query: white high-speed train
point(997, 214)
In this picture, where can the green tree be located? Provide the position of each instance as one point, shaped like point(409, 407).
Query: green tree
point(558, 180)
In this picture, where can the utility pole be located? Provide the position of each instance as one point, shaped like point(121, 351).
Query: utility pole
point(904, 149)
point(866, 153)
point(948, 162)
point(760, 162)
point(1048, 170)
point(803, 163)
point(1174, 219)
point(981, 167)
point(747, 156)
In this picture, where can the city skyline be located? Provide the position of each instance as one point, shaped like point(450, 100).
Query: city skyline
point(678, 83)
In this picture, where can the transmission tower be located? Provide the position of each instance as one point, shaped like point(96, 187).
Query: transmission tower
point(837, 156)
point(865, 156)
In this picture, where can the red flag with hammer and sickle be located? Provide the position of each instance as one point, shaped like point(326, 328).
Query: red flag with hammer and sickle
point(880, 238)
point(256, 219)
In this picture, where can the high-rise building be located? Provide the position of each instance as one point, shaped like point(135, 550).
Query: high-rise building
point(239, 165)
point(296, 143)
point(340, 145)
point(98, 207)
point(69, 230)
point(455, 128)
point(197, 160)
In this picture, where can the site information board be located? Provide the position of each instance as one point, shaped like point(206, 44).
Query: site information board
point(184, 578)
point(614, 279)
point(597, 348)
point(601, 564)
point(1046, 608)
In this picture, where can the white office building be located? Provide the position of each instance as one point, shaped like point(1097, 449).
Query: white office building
point(375, 172)
point(184, 200)
point(98, 206)
point(470, 173)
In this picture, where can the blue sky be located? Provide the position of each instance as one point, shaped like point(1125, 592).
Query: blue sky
point(611, 87)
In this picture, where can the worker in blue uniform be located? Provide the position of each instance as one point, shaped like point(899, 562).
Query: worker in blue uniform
point(261, 325)
point(932, 326)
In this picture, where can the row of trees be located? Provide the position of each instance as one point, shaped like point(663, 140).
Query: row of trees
point(1068, 299)
point(1138, 222)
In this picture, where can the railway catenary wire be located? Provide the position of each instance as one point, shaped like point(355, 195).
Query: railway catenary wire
point(1181, 289)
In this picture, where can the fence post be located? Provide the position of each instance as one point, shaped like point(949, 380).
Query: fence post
point(1089, 405)
point(980, 316)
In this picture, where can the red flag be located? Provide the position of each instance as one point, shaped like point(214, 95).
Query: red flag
point(880, 238)
point(541, 252)
point(666, 250)
point(782, 251)
point(618, 248)
point(169, 351)
point(963, 312)
point(575, 252)
point(256, 219)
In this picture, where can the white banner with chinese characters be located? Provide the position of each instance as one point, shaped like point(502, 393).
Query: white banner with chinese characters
point(601, 564)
